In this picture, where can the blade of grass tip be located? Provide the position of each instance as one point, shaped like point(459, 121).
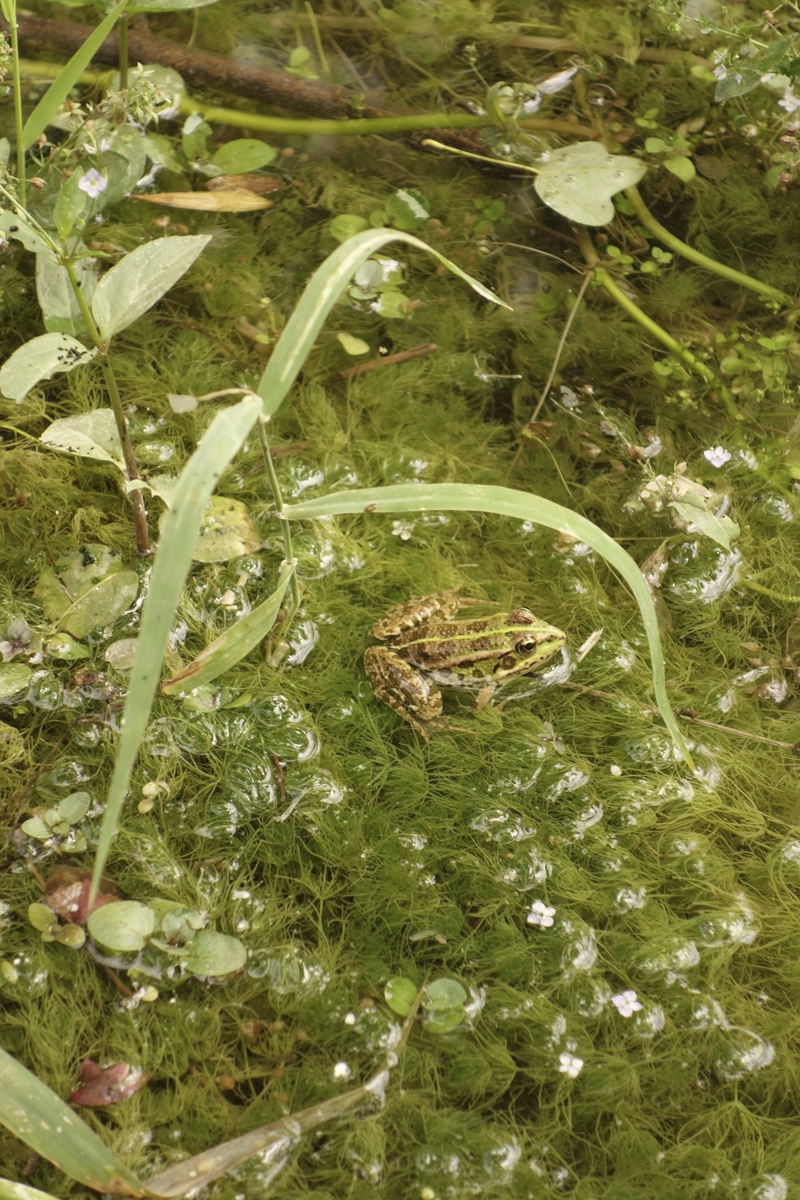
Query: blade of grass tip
point(33, 1114)
point(319, 296)
point(526, 507)
point(273, 1142)
point(226, 651)
point(21, 1191)
point(63, 84)
point(222, 440)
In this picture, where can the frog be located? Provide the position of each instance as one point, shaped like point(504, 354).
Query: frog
point(425, 645)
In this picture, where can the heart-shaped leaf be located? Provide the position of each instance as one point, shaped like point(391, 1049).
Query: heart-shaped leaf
point(578, 181)
point(123, 925)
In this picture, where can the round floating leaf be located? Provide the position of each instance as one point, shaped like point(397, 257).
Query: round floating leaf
point(578, 181)
point(14, 678)
point(35, 827)
point(443, 993)
point(73, 936)
point(73, 808)
point(122, 653)
point(103, 604)
point(400, 994)
point(681, 167)
point(90, 435)
point(408, 208)
point(243, 154)
point(41, 917)
point(347, 224)
point(444, 1021)
point(227, 532)
point(123, 926)
point(214, 954)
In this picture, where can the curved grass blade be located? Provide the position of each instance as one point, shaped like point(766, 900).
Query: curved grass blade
point(40, 1119)
point(321, 293)
point(222, 440)
point(234, 643)
point(63, 84)
point(20, 1191)
point(506, 502)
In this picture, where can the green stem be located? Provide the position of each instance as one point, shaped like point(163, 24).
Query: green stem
point(22, 189)
point(123, 52)
point(624, 301)
point(137, 499)
point(284, 524)
point(702, 260)
point(781, 597)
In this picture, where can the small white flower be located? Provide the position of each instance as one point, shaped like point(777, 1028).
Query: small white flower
point(626, 1003)
point(93, 183)
point(717, 457)
point(342, 1070)
point(541, 914)
point(570, 1064)
point(403, 529)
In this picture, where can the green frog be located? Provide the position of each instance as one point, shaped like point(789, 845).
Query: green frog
point(426, 646)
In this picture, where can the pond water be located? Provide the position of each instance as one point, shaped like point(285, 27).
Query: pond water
point(624, 929)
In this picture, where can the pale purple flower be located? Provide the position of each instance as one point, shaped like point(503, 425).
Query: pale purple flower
point(93, 183)
point(718, 456)
point(570, 1065)
point(626, 1003)
point(541, 914)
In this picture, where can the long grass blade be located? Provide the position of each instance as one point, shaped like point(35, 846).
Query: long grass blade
point(234, 643)
point(40, 1119)
point(223, 439)
point(63, 84)
point(20, 1191)
point(321, 293)
point(507, 502)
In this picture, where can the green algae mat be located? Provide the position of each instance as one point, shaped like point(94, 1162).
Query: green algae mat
point(317, 323)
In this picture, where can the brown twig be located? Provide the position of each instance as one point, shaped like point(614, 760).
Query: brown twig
point(279, 777)
point(374, 363)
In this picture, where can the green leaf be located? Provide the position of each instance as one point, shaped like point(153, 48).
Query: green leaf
point(101, 605)
point(352, 345)
point(720, 529)
point(223, 439)
point(64, 648)
point(57, 300)
point(578, 181)
point(33, 1114)
point(141, 278)
point(35, 827)
point(445, 1020)
point(233, 645)
point(242, 155)
point(21, 1191)
point(682, 168)
point(90, 435)
point(60, 88)
point(122, 926)
point(444, 993)
point(737, 81)
point(227, 532)
point(87, 588)
point(166, 5)
point(14, 678)
point(213, 954)
point(654, 145)
point(400, 994)
point(408, 208)
point(457, 497)
point(70, 203)
point(41, 916)
point(42, 357)
point(18, 227)
point(347, 225)
point(73, 808)
point(318, 298)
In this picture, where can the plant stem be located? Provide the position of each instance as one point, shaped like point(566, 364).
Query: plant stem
point(781, 597)
point(18, 122)
point(624, 301)
point(702, 260)
point(284, 524)
point(137, 499)
point(123, 52)
point(560, 348)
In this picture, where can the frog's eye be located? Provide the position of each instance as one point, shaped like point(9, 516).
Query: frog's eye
point(526, 645)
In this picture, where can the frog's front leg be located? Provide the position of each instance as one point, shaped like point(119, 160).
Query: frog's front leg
point(409, 693)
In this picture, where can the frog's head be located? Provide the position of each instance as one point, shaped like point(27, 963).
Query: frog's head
point(531, 643)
